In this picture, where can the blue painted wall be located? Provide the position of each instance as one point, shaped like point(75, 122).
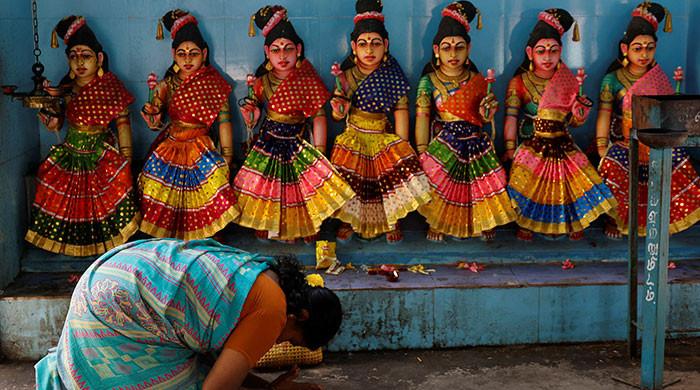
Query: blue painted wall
point(694, 48)
point(19, 140)
point(126, 29)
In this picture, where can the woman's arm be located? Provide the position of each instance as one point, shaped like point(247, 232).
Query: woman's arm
point(401, 118)
point(124, 134)
point(229, 371)
point(320, 131)
point(226, 134)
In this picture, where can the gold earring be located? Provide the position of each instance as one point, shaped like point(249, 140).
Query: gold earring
point(466, 62)
point(268, 66)
point(625, 61)
point(530, 67)
point(385, 58)
point(558, 65)
point(176, 68)
point(354, 57)
point(437, 60)
point(298, 64)
point(100, 72)
point(71, 75)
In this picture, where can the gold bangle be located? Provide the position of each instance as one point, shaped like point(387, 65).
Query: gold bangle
point(227, 151)
point(510, 144)
point(601, 141)
point(125, 151)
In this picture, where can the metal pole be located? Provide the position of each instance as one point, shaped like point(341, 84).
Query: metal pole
point(632, 231)
point(656, 292)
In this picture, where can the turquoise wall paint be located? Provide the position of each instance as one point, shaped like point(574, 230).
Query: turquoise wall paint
point(126, 29)
point(19, 140)
point(459, 317)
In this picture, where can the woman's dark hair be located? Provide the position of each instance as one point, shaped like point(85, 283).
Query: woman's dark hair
point(83, 36)
point(188, 32)
point(365, 26)
point(636, 27)
point(449, 27)
point(543, 30)
point(325, 311)
point(283, 29)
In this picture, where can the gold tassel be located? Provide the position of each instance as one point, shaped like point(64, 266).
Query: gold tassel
point(577, 34)
point(54, 39)
point(479, 25)
point(251, 26)
point(668, 26)
point(159, 30)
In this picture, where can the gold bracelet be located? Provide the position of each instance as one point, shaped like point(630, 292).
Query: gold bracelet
point(601, 141)
point(227, 151)
point(510, 144)
point(125, 151)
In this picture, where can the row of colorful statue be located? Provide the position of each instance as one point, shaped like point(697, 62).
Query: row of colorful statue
point(286, 188)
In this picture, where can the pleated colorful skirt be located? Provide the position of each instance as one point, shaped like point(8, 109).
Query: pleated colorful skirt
point(553, 186)
point(685, 189)
point(286, 186)
point(185, 190)
point(84, 203)
point(469, 183)
point(385, 174)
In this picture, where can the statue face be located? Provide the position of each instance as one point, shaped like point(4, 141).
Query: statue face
point(282, 54)
point(453, 53)
point(640, 51)
point(370, 49)
point(83, 61)
point(189, 58)
point(545, 55)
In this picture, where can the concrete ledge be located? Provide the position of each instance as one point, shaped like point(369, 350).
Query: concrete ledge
point(415, 249)
point(502, 305)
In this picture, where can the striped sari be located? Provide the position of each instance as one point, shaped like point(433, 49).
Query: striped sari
point(143, 314)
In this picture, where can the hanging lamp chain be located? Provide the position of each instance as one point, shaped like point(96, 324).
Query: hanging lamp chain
point(35, 27)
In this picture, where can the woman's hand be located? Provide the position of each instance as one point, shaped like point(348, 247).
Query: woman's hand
point(152, 115)
point(340, 107)
point(508, 155)
point(286, 382)
point(488, 107)
point(581, 107)
point(51, 122)
point(251, 114)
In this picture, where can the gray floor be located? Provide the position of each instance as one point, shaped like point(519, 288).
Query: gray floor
point(590, 366)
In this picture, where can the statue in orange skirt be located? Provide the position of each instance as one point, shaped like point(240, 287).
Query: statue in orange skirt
point(84, 203)
point(185, 190)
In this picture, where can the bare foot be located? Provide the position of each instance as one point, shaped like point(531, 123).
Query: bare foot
point(524, 234)
point(433, 235)
point(488, 235)
point(395, 236)
point(612, 232)
point(261, 235)
point(576, 236)
point(345, 232)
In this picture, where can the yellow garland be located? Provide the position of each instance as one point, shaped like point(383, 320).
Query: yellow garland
point(314, 280)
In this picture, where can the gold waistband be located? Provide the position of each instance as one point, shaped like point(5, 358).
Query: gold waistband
point(555, 134)
point(186, 125)
point(551, 114)
point(367, 121)
point(89, 129)
point(286, 119)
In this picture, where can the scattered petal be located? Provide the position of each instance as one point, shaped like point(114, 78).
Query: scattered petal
point(567, 264)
